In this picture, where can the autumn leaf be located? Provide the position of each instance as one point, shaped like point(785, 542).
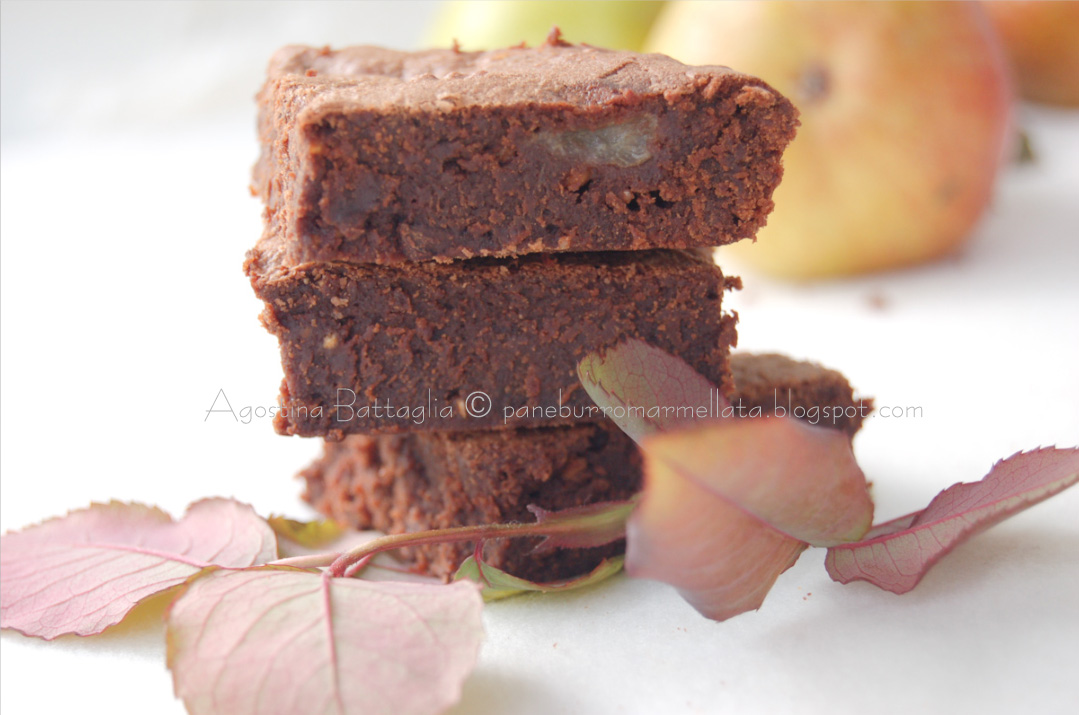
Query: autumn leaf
point(497, 584)
point(297, 540)
point(308, 535)
point(897, 554)
point(799, 479)
point(722, 561)
point(645, 390)
point(281, 641)
point(730, 505)
point(84, 572)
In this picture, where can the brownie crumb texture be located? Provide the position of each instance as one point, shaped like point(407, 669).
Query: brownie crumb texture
point(382, 156)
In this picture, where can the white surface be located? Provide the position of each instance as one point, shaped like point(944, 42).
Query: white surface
point(124, 311)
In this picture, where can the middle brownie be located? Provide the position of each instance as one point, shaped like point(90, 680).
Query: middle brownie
point(476, 344)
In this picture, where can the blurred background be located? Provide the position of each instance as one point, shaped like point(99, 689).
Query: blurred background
point(924, 243)
point(907, 108)
point(89, 68)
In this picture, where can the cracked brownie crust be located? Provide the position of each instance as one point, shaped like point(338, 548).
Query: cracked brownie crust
point(373, 155)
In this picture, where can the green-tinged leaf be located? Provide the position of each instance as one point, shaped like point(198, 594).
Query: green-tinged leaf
point(315, 534)
point(582, 527)
point(281, 641)
point(497, 584)
point(897, 554)
point(86, 571)
point(645, 390)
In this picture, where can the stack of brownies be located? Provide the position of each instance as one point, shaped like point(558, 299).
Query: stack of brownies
point(447, 234)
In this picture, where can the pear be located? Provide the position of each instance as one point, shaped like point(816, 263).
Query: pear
point(905, 111)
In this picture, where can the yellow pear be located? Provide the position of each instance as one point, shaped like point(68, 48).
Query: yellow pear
point(905, 117)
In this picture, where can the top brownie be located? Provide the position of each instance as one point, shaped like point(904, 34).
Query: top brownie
point(372, 155)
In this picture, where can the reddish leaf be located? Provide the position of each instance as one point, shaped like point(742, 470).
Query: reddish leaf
point(84, 572)
point(645, 390)
point(721, 560)
point(729, 504)
point(801, 480)
point(279, 641)
point(727, 507)
point(896, 555)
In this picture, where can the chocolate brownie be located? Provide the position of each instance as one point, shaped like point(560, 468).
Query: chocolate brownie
point(771, 383)
point(429, 480)
point(476, 344)
point(371, 155)
point(412, 482)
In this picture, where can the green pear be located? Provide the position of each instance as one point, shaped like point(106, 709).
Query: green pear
point(490, 25)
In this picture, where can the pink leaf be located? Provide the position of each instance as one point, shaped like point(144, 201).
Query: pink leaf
point(727, 506)
point(645, 390)
point(278, 641)
point(801, 480)
point(896, 555)
point(721, 560)
point(84, 572)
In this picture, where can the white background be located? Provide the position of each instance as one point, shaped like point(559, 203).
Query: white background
point(127, 139)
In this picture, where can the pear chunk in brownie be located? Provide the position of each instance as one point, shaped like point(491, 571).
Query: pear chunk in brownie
point(478, 344)
point(373, 155)
point(429, 480)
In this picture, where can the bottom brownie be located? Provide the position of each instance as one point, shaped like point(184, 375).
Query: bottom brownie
point(429, 480)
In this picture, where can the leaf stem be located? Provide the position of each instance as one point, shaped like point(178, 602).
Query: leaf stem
point(309, 561)
point(342, 565)
point(592, 525)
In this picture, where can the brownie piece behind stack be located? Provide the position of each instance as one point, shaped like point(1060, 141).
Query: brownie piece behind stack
point(775, 383)
point(375, 156)
point(418, 481)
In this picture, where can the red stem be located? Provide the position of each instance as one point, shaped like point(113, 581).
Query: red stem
point(342, 566)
